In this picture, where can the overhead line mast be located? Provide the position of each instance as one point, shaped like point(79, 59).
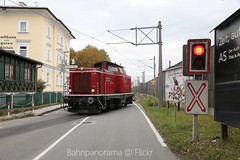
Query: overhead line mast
point(146, 31)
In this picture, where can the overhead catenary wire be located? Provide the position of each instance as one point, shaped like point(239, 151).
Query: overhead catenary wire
point(126, 41)
point(82, 33)
point(91, 37)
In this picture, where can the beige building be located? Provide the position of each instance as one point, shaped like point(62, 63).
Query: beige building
point(35, 32)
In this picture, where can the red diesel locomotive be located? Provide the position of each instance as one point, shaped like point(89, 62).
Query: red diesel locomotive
point(92, 90)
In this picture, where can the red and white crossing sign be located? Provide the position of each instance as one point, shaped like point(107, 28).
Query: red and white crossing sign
point(196, 97)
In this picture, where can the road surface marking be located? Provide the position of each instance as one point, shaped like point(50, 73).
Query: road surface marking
point(160, 139)
point(0, 127)
point(56, 142)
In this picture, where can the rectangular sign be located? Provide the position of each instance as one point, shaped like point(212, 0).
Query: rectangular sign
point(174, 85)
point(196, 97)
point(227, 71)
point(70, 66)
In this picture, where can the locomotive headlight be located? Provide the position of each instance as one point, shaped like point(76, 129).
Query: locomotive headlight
point(93, 90)
point(70, 90)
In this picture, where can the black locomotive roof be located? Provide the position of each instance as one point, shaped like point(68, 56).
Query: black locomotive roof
point(105, 63)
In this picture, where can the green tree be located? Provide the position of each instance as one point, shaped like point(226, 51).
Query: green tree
point(89, 56)
point(41, 85)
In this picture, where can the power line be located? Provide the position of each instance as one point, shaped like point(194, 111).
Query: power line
point(86, 35)
point(82, 33)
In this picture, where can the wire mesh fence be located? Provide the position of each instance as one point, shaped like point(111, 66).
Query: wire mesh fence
point(4, 99)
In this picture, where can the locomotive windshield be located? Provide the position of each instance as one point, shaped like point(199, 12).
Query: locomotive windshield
point(122, 70)
point(112, 68)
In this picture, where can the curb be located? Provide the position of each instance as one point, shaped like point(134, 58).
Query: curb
point(49, 111)
point(35, 113)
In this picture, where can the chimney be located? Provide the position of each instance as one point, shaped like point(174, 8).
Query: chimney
point(169, 63)
point(22, 4)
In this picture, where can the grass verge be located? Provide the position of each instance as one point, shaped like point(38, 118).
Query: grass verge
point(178, 135)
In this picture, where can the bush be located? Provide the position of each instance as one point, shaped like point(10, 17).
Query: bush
point(152, 101)
point(41, 85)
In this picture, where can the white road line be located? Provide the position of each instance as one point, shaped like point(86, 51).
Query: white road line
point(56, 142)
point(160, 139)
point(0, 127)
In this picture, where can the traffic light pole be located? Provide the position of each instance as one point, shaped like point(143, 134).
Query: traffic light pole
point(63, 71)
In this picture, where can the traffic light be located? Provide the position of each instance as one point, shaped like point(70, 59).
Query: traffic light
point(198, 56)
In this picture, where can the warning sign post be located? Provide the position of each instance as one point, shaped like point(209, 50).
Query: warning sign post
point(196, 92)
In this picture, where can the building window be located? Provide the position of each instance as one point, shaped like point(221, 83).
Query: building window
point(61, 40)
point(9, 72)
point(66, 59)
point(23, 26)
point(23, 49)
point(28, 75)
point(48, 52)
point(49, 32)
point(66, 46)
point(61, 80)
point(58, 57)
point(48, 78)
point(57, 80)
point(57, 38)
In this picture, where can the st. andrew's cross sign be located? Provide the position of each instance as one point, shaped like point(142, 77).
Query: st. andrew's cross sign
point(196, 97)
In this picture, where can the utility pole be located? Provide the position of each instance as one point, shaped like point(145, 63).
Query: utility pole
point(143, 76)
point(154, 68)
point(160, 73)
point(154, 77)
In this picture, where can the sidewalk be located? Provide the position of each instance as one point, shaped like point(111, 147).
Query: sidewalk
point(36, 112)
point(44, 110)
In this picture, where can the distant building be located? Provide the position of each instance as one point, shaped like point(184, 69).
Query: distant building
point(135, 83)
point(36, 33)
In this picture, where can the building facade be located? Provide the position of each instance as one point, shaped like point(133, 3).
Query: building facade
point(17, 73)
point(36, 33)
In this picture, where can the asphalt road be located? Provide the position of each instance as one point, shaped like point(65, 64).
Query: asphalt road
point(124, 133)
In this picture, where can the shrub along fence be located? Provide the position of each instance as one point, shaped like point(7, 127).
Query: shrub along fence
point(24, 100)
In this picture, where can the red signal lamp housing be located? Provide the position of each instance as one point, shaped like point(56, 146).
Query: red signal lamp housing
point(198, 56)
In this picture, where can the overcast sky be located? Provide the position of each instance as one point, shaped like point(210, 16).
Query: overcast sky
point(181, 20)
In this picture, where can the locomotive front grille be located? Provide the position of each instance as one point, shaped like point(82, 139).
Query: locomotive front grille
point(82, 83)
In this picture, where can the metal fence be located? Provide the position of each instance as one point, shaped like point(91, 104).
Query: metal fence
point(147, 88)
point(24, 100)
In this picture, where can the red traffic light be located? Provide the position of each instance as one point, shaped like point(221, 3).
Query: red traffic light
point(198, 56)
point(198, 50)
